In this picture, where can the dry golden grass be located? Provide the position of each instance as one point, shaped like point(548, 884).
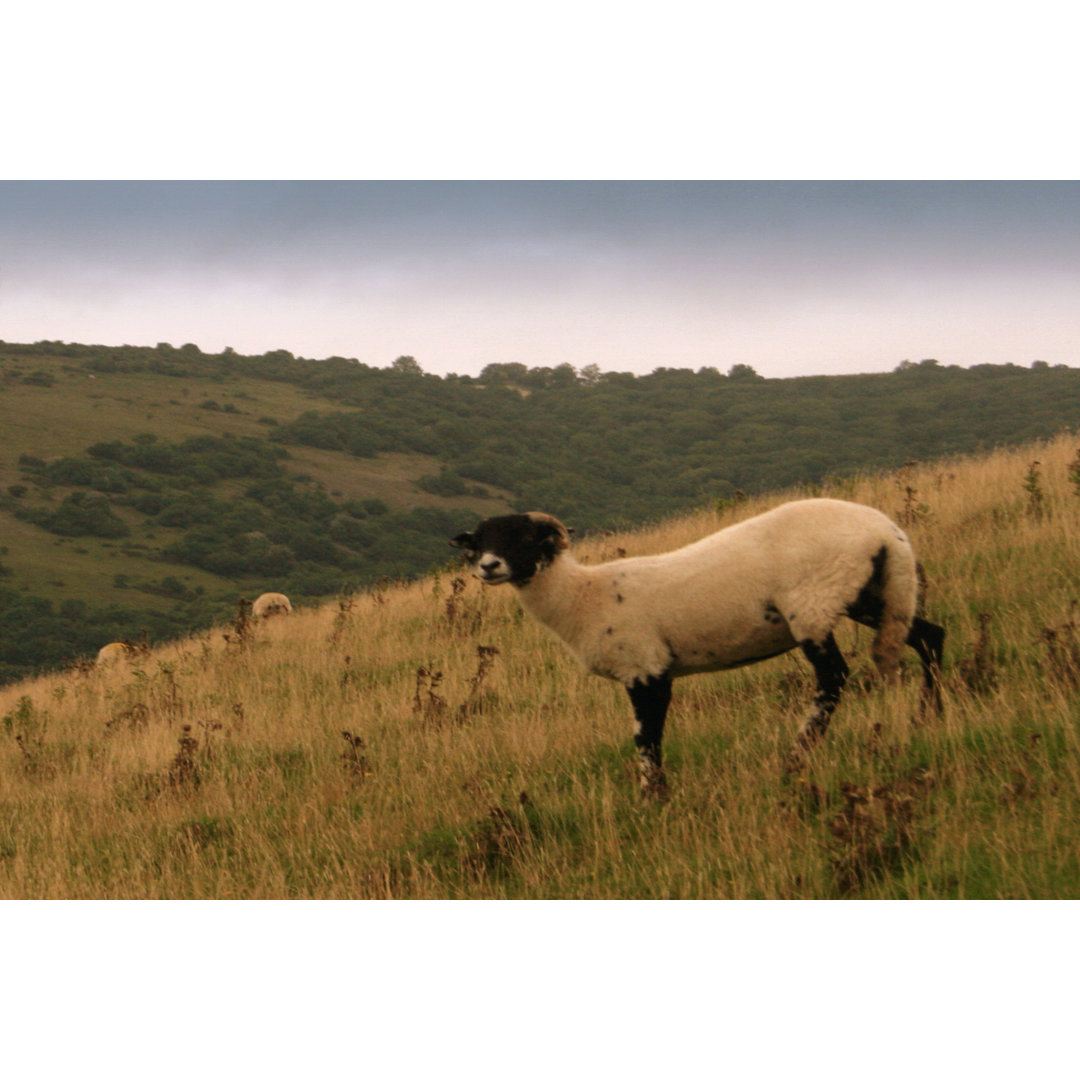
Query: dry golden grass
point(428, 741)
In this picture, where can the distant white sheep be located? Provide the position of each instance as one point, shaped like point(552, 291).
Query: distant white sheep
point(115, 650)
point(271, 603)
point(746, 593)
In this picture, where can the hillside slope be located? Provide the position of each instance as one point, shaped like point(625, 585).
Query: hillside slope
point(426, 741)
point(142, 490)
point(102, 536)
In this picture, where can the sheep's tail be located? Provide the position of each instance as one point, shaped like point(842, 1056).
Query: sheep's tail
point(900, 599)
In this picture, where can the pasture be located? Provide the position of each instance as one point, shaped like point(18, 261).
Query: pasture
point(427, 741)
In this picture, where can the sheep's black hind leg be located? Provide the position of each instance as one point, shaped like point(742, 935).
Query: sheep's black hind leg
point(650, 698)
point(831, 671)
point(928, 640)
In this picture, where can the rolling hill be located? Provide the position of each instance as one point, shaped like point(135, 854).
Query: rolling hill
point(143, 490)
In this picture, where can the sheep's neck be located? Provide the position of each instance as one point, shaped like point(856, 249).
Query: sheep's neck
point(557, 596)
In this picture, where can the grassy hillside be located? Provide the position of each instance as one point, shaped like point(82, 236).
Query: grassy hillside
point(54, 408)
point(143, 489)
point(426, 741)
point(71, 408)
point(128, 570)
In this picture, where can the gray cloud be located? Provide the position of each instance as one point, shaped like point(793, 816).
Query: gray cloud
point(793, 276)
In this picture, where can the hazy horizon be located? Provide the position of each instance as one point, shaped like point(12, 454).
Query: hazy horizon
point(790, 277)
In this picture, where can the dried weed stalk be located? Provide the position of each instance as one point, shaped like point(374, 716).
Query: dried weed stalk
point(349, 674)
point(977, 673)
point(134, 719)
point(138, 650)
point(1063, 649)
point(184, 770)
point(459, 616)
point(21, 743)
point(911, 511)
point(209, 727)
point(498, 839)
point(486, 657)
point(344, 611)
point(457, 587)
point(241, 626)
point(40, 761)
point(1036, 505)
point(169, 692)
point(427, 704)
point(353, 760)
point(874, 830)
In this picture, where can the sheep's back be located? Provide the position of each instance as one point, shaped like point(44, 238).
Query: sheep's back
point(749, 591)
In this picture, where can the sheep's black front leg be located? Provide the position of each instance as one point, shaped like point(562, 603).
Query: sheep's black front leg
point(650, 698)
point(831, 671)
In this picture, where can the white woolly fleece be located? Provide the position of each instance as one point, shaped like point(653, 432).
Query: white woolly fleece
point(271, 603)
point(746, 593)
point(111, 652)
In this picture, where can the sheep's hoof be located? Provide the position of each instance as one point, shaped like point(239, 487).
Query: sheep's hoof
point(656, 789)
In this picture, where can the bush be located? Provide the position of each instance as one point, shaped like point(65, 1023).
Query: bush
point(148, 504)
point(346, 529)
point(114, 481)
point(78, 515)
point(186, 511)
point(71, 471)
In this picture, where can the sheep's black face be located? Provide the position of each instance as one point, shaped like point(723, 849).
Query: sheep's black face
point(512, 548)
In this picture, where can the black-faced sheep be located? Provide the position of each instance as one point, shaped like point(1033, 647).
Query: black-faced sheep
point(760, 588)
point(271, 603)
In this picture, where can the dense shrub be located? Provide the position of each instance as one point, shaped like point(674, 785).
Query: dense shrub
point(78, 515)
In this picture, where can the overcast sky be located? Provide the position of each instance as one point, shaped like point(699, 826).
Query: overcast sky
point(793, 278)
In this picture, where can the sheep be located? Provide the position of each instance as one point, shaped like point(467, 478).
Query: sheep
point(271, 603)
point(749, 592)
point(109, 654)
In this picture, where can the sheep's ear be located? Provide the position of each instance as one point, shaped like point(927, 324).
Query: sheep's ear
point(553, 534)
point(463, 540)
